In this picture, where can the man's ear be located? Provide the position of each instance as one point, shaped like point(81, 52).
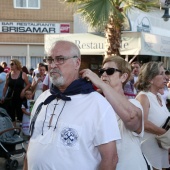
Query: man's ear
point(124, 77)
point(78, 63)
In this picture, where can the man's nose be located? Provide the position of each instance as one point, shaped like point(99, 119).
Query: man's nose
point(52, 65)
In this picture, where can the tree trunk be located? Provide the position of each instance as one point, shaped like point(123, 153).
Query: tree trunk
point(113, 36)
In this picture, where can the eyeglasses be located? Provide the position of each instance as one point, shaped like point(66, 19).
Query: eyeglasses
point(12, 64)
point(57, 60)
point(109, 71)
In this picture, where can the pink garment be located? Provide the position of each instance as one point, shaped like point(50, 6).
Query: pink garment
point(6, 69)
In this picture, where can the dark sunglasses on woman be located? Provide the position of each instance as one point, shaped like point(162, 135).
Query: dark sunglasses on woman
point(12, 64)
point(109, 71)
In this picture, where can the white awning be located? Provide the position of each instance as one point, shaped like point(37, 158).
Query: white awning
point(89, 44)
point(133, 43)
point(140, 43)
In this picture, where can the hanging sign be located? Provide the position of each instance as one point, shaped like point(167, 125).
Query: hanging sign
point(34, 27)
point(165, 3)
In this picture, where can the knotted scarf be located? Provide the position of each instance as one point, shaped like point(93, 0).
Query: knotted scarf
point(79, 86)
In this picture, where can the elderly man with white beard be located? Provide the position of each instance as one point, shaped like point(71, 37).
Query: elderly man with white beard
point(72, 126)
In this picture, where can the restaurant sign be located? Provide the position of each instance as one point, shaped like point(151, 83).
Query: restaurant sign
point(34, 27)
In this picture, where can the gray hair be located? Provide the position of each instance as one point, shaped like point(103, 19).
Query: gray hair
point(122, 65)
point(72, 47)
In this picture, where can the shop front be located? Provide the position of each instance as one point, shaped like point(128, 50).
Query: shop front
point(146, 44)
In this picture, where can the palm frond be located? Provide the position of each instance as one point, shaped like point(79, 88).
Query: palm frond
point(97, 13)
point(144, 5)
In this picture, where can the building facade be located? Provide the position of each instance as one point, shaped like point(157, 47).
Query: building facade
point(23, 24)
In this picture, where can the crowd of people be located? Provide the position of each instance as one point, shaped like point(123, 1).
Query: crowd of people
point(84, 121)
point(15, 83)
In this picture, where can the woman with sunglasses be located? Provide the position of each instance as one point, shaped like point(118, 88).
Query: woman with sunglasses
point(114, 74)
point(15, 90)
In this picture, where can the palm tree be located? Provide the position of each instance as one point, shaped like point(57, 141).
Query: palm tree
point(108, 16)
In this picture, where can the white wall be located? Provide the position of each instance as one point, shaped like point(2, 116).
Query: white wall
point(80, 26)
point(157, 24)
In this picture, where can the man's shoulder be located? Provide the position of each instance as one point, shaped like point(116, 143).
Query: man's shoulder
point(97, 95)
point(43, 96)
point(99, 99)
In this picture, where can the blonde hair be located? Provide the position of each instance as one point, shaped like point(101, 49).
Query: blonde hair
point(17, 63)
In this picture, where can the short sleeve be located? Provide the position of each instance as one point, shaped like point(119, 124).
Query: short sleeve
point(137, 104)
point(107, 129)
point(23, 107)
point(45, 82)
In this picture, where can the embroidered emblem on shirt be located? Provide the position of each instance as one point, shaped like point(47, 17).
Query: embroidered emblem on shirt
point(69, 136)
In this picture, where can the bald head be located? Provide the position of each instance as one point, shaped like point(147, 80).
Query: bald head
point(68, 46)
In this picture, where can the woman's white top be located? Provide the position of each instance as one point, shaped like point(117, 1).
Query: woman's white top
point(47, 81)
point(38, 89)
point(157, 115)
point(130, 155)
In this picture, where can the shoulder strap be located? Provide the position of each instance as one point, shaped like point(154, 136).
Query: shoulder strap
point(9, 75)
point(20, 74)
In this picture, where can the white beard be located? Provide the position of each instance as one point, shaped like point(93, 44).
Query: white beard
point(57, 81)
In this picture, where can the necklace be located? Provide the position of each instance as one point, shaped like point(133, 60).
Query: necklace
point(52, 115)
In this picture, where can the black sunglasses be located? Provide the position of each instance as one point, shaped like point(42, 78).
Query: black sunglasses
point(109, 71)
point(12, 64)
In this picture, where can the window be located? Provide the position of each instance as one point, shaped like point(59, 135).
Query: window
point(35, 60)
point(30, 4)
point(22, 59)
point(7, 59)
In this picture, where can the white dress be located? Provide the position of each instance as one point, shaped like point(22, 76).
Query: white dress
point(47, 81)
point(157, 114)
point(130, 156)
point(38, 89)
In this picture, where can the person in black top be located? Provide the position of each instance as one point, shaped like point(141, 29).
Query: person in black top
point(14, 90)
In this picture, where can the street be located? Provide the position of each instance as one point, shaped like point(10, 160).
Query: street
point(20, 160)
